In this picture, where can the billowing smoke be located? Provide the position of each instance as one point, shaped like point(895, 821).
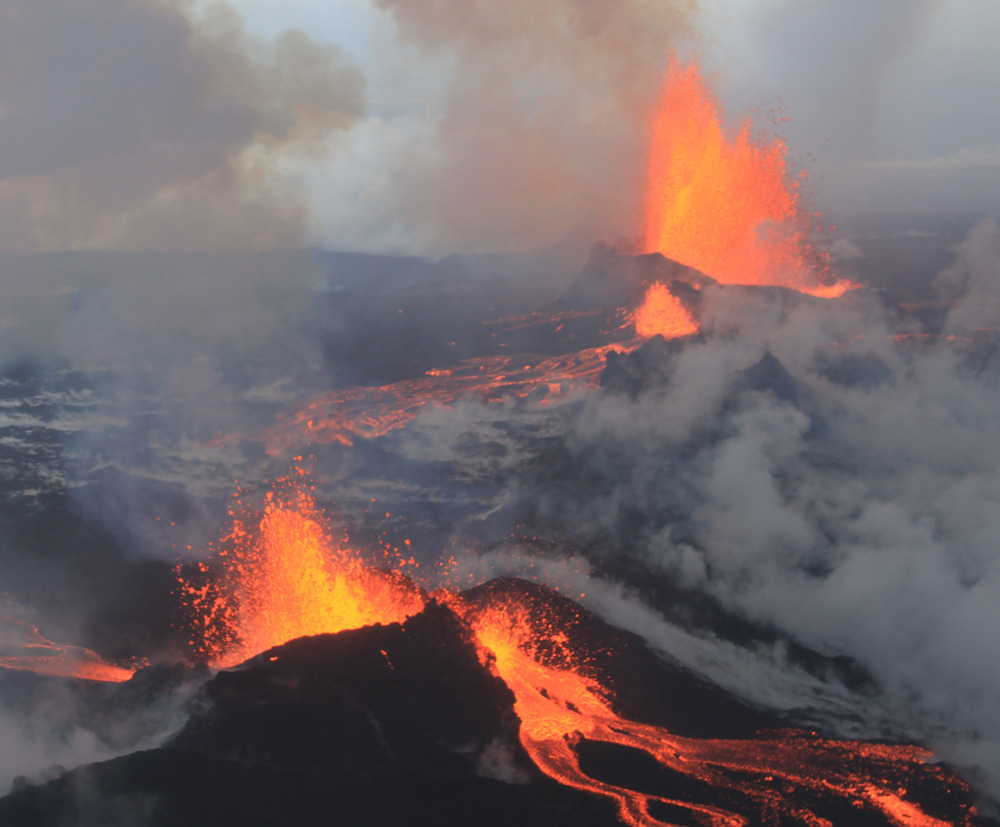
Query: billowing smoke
point(823, 469)
point(157, 125)
point(541, 130)
point(972, 284)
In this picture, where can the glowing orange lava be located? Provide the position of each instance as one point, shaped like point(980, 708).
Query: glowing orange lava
point(286, 580)
point(364, 412)
point(727, 207)
point(558, 705)
point(24, 647)
point(663, 313)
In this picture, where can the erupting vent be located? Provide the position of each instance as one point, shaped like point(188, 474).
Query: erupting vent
point(284, 580)
point(727, 207)
point(663, 313)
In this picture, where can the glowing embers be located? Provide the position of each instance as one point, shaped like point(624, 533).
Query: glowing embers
point(724, 206)
point(23, 647)
point(663, 313)
point(787, 777)
point(284, 579)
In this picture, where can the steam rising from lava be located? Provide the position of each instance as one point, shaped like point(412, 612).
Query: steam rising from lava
point(542, 129)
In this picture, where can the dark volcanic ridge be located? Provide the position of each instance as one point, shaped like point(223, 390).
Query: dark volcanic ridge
point(404, 724)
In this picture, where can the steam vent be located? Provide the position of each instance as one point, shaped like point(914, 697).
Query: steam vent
point(529, 413)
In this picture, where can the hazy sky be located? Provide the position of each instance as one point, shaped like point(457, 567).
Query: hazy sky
point(893, 98)
point(891, 102)
point(432, 126)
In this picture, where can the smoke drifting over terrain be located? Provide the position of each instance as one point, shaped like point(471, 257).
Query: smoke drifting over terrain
point(798, 500)
point(849, 499)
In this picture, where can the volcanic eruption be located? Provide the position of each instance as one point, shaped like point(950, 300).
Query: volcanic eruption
point(282, 585)
point(655, 534)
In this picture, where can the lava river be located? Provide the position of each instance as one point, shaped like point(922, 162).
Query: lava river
point(22, 646)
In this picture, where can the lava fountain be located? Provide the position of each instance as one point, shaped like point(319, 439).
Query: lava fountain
point(725, 206)
point(286, 579)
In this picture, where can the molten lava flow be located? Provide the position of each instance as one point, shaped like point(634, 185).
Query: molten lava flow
point(724, 206)
point(363, 412)
point(776, 776)
point(662, 313)
point(24, 647)
point(287, 580)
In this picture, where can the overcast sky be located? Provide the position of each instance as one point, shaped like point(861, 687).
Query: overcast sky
point(891, 102)
point(426, 127)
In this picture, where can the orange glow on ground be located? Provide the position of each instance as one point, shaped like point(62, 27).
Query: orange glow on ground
point(558, 705)
point(364, 412)
point(24, 647)
point(662, 313)
point(725, 206)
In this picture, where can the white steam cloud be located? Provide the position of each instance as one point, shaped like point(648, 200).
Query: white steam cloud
point(820, 468)
point(856, 509)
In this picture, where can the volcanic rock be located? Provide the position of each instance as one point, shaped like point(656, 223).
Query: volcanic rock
point(611, 279)
point(408, 724)
point(636, 371)
point(853, 370)
point(361, 702)
point(645, 686)
point(768, 374)
point(397, 724)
